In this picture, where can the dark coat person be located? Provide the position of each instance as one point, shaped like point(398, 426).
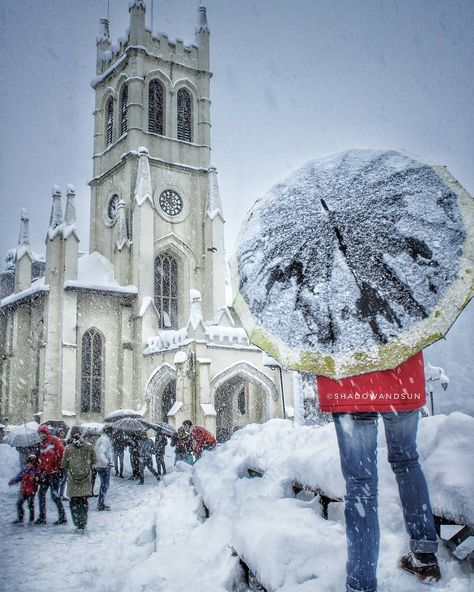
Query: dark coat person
point(119, 443)
point(160, 448)
point(147, 448)
point(183, 446)
point(79, 458)
point(134, 449)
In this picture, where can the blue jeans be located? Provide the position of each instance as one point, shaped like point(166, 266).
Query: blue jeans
point(104, 476)
point(357, 439)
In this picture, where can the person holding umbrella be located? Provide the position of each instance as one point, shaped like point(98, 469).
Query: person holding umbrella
point(119, 444)
point(104, 454)
point(146, 448)
point(49, 469)
point(356, 402)
point(348, 269)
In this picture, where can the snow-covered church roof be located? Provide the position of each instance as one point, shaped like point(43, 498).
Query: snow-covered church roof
point(96, 272)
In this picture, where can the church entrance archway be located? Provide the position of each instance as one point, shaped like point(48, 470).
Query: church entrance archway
point(161, 392)
point(241, 396)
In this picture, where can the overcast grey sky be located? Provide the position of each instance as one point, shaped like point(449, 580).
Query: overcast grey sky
point(293, 79)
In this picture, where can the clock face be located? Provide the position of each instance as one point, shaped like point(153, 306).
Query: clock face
point(171, 203)
point(112, 207)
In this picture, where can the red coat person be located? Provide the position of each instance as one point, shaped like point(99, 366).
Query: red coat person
point(202, 439)
point(51, 452)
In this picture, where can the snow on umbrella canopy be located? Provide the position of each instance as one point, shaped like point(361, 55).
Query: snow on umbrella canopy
point(120, 414)
point(23, 436)
point(355, 262)
point(131, 424)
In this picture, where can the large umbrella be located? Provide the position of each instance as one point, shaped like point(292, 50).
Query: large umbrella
point(355, 262)
point(120, 414)
point(23, 436)
point(131, 424)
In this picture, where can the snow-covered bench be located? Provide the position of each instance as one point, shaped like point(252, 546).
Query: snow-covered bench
point(298, 487)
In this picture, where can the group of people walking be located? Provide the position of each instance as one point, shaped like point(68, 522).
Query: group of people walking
point(79, 462)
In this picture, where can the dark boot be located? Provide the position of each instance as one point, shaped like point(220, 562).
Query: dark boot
point(425, 571)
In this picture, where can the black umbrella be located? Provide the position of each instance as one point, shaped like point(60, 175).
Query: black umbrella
point(131, 424)
point(163, 427)
point(57, 425)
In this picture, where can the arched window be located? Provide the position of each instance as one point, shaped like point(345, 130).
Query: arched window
point(166, 290)
point(124, 110)
point(156, 107)
point(184, 115)
point(92, 372)
point(109, 128)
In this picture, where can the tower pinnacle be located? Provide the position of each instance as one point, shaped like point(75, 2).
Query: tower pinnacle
point(70, 215)
point(56, 218)
point(143, 188)
point(202, 24)
point(137, 9)
point(103, 38)
point(24, 239)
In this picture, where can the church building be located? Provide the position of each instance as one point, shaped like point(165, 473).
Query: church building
point(140, 322)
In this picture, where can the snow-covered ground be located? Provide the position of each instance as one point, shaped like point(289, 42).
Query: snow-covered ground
point(157, 537)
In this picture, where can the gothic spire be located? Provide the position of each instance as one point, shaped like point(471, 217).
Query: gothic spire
point(24, 239)
point(103, 38)
point(70, 215)
point(143, 188)
point(202, 25)
point(56, 218)
point(137, 4)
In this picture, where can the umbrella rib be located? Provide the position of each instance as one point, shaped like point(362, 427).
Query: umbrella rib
point(368, 294)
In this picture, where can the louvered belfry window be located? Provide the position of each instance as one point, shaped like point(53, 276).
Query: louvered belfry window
point(124, 110)
point(92, 372)
point(184, 115)
point(110, 121)
point(156, 107)
point(166, 290)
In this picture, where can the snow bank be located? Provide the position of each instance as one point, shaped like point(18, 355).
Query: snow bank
point(157, 537)
point(9, 464)
point(284, 539)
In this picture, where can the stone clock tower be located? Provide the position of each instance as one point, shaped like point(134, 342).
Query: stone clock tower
point(155, 206)
point(141, 321)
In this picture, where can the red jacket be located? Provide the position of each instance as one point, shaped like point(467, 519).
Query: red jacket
point(51, 452)
point(29, 484)
point(399, 389)
point(201, 438)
